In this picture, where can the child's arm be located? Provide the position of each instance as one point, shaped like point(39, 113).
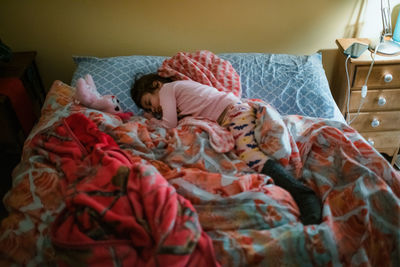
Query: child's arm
point(169, 115)
point(169, 109)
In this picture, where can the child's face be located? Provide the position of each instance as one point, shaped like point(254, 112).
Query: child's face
point(151, 102)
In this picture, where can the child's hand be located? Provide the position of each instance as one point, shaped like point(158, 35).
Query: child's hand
point(148, 115)
point(153, 123)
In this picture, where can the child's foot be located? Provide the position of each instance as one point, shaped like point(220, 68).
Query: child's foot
point(306, 199)
point(309, 205)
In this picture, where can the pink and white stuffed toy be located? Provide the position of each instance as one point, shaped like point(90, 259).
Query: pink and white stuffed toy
point(87, 95)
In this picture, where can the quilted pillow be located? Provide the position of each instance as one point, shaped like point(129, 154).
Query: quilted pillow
point(292, 84)
point(116, 75)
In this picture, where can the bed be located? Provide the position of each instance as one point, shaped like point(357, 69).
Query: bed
point(95, 189)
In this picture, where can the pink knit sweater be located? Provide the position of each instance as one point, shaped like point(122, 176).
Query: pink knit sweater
point(192, 98)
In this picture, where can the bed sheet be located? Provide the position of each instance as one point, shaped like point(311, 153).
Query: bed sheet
point(248, 219)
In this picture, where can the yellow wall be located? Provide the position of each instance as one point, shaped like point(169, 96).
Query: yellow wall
point(58, 29)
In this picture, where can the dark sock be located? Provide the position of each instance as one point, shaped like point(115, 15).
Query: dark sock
point(306, 199)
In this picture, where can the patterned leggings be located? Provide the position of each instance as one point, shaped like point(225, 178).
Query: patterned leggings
point(240, 120)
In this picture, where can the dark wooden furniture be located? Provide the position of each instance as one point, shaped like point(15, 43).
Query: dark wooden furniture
point(20, 83)
point(23, 66)
point(378, 119)
point(11, 142)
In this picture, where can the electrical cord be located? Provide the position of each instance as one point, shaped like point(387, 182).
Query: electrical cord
point(348, 90)
point(364, 88)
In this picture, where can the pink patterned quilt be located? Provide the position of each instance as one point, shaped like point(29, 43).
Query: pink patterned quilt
point(204, 67)
point(224, 210)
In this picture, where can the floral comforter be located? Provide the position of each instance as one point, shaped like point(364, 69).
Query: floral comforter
point(171, 197)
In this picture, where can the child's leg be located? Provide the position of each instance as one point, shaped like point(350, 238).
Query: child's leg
point(307, 201)
point(240, 120)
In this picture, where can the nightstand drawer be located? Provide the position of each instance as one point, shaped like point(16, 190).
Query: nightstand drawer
point(377, 121)
point(387, 76)
point(376, 100)
point(383, 141)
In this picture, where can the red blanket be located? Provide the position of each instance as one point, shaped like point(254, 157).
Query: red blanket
point(118, 208)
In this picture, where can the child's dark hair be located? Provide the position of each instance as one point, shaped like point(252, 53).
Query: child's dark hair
point(145, 84)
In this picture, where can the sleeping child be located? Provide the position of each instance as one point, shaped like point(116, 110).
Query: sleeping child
point(165, 100)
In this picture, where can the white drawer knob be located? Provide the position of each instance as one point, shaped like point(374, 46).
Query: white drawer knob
point(388, 78)
point(375, 123)
point(371, 141)
point(381, 101)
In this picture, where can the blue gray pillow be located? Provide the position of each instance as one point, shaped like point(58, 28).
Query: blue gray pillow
point(292, 84)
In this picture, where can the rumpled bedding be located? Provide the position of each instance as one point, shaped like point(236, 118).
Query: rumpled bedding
point(118, 208)
point(92, 189)
point(249, 220)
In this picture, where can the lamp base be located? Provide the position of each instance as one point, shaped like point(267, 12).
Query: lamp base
point(389, 47)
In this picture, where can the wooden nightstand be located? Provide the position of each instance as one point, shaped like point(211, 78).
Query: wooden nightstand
point(21, 98)
point(23, 66)
point(11, 142)
point(379, 118)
